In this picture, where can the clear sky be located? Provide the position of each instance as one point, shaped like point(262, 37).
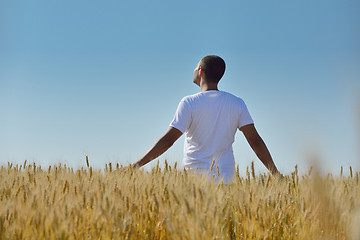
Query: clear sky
point(104, 78)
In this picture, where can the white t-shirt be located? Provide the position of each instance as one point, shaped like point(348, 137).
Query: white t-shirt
point(210, 120)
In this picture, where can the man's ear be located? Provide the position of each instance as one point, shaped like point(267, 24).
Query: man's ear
point(201, 71)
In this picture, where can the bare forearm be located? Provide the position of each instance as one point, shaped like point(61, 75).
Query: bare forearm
point(263, 154)
point(161, 146)
point(155, 151)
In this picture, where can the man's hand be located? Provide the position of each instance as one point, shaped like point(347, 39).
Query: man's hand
point(259, 147)
point(161, 146)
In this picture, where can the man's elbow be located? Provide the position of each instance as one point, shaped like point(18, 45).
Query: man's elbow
point(256, 142)
point(166, 143)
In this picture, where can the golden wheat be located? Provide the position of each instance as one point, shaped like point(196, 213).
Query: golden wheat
point(168, 203)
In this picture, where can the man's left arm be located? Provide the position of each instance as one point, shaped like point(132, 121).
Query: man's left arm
point(259, 147)
point(162, 145)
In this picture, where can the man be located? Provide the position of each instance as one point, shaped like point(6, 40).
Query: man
point(210, 120)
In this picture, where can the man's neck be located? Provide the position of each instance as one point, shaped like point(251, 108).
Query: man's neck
point(208, 87)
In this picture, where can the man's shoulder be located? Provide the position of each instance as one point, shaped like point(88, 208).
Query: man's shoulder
point(231, 95)
point(233, 98)
point(200, 95)
point(190, 98)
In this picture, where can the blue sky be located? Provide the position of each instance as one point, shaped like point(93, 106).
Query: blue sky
point(103, 78)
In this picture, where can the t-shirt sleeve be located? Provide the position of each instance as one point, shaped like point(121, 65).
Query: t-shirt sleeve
point(245, 117)
point(182, 118)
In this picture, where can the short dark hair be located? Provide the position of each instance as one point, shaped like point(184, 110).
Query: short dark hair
point(214, 67)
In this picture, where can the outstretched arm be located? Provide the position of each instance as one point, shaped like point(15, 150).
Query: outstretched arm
point(161, 146)
point(259, 147)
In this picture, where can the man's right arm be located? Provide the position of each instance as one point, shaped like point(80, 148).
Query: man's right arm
point(259, 147)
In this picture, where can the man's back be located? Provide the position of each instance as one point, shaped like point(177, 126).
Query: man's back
point(210, 120)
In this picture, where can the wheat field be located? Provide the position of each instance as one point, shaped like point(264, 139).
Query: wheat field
point(169, 203)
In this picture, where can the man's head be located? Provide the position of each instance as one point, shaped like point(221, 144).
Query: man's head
point(211, 68)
